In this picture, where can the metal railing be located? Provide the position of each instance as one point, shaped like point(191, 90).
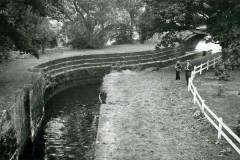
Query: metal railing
point(217, 122)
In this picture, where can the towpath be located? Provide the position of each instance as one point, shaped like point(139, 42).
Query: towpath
point(149, 116)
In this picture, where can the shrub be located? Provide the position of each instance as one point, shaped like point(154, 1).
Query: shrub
point(5, 46)
point(122, 34)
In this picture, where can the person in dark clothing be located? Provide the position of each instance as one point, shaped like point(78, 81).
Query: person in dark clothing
point(188, 70)
point(178, 68)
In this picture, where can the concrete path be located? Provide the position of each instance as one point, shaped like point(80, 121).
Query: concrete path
point(14, 74)
point(149, 116)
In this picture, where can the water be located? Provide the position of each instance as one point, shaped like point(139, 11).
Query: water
point(69, 129)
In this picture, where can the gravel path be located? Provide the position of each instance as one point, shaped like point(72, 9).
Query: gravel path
point(149, 116)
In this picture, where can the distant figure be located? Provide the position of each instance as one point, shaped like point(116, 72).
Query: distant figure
point(188, 70)
point(178, 68)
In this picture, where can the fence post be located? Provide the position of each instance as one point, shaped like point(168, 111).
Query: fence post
point(201, 68)
point(194, 70)
point(189, 83)
point(193, 74)
point(194, 94)
point(220, 128)
point(214, 60)
point(203, 106)
point(207, 64)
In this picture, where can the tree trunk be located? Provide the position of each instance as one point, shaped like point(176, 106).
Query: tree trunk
point(43, 46)
point(132, 23)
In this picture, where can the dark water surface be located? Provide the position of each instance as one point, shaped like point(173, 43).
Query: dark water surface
point(70, 126)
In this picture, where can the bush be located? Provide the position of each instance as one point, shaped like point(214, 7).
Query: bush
point(221, 72)
point(79, 43)
point(84, 41)
point(122, 34)
point(5, 46)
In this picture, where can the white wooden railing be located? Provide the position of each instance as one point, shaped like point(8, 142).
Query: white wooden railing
point(217, 122)
point(207, 65)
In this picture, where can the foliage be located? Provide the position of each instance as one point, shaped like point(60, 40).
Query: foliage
point(145, 29)
point(81, 41)
point(87, 23)
point(131, 10)
point(221, 18)
point(20, 17)
point(44, 35)
point(222, 72)
point(5, 46)
point(122, 34)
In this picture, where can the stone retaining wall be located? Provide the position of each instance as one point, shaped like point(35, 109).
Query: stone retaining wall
point(36, 104)
point(15, 125)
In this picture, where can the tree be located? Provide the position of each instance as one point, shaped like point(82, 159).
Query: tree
point(18, 17)
point(88, 22)
point(122, 34)
point(221, 19)
point(5, 47)
point(145, 28)
point(134, 9)
point(44, 35)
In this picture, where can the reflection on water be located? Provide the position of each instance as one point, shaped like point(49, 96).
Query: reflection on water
point(70, 126)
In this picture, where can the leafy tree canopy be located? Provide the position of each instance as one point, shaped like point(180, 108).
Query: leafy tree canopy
point(90, 23)
point(133, 10)
point(19, 19)
point(220, 17)
point(87, 22)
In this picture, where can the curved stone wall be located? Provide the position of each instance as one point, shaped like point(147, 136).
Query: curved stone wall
point(25, 117)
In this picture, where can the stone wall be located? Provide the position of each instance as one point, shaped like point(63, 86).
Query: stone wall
point(20, 124)
point(79, 77)
point(36, 104)
point(15, 126)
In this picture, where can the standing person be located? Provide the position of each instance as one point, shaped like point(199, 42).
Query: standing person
point(178, 68)
point(188, 70)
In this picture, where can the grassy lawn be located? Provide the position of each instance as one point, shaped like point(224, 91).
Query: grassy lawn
point(227, 104)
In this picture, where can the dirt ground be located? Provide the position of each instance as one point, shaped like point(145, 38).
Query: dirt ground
point(14, 73)
point(149, 116)
point(227, 104)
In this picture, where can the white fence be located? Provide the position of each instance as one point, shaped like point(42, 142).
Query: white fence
point(207, 65)
point(217, 122)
